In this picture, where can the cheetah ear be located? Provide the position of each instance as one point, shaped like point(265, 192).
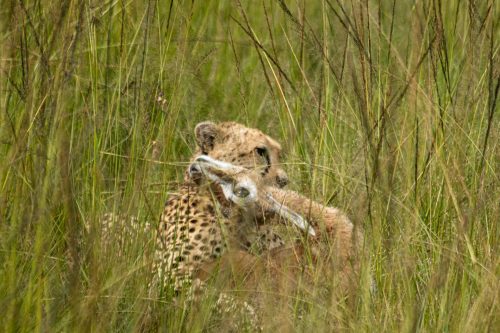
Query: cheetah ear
point(206, 133)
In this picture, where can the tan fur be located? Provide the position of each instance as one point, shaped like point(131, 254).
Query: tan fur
point(334, 249)
point(336, 236)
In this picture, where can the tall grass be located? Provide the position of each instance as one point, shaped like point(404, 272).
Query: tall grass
point(387, 109)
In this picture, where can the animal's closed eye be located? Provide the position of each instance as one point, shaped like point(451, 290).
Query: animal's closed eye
point(262, 151)
point(241, 192)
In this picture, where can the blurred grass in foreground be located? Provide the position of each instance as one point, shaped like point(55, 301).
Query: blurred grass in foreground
point(387, 109)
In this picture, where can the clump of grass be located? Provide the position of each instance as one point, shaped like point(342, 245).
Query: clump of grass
point(387, 109)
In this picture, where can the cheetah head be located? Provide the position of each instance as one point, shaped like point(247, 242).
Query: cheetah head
point(241, 146)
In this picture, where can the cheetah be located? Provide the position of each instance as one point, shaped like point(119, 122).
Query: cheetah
point(190, 231)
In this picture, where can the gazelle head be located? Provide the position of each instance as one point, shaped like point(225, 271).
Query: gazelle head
point(244, 188)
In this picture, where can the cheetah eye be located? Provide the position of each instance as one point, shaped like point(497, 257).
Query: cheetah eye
point(262, 151)
point(264, 154)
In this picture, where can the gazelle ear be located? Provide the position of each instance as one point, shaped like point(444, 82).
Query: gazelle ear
point(289, 215)
point(206, 133)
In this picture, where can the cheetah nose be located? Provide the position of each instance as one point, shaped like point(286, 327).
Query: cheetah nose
point(282, 180)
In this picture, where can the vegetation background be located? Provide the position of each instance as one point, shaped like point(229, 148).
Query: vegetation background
point(387, 109)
